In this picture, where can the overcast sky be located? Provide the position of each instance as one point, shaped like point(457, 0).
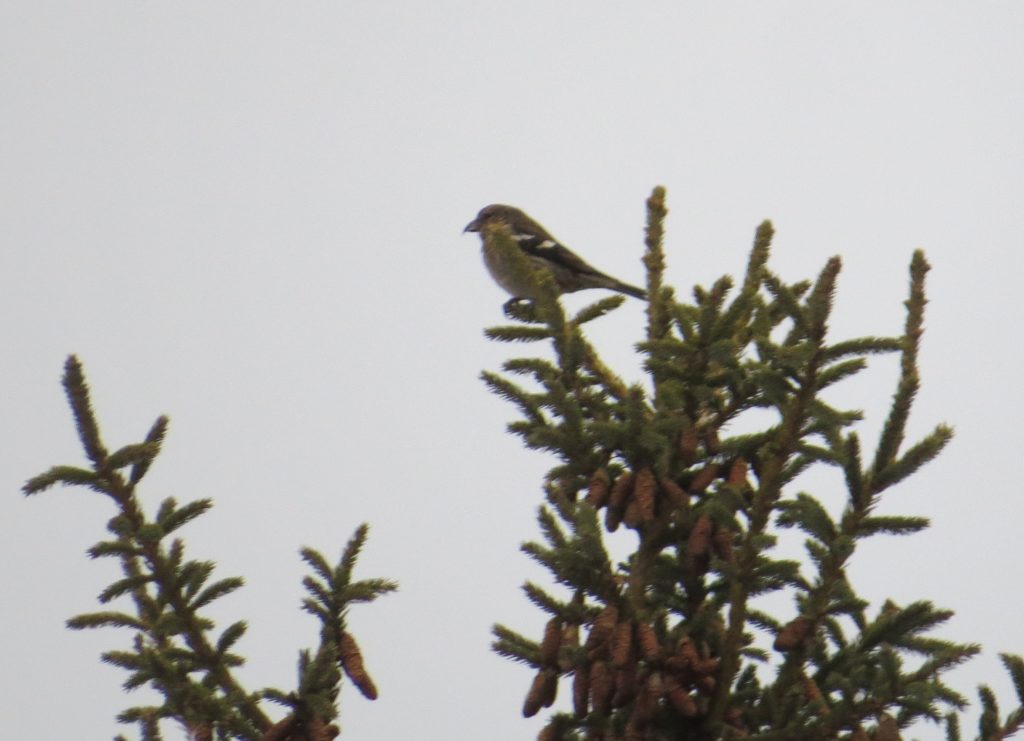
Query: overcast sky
point(248, 215)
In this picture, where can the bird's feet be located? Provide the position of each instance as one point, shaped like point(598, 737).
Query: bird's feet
point(521, 309)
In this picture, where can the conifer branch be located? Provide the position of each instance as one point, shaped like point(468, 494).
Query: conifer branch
point(909, 382)
point(81, 407)
point(654, 261)
point(660, 646)
point(174, 649)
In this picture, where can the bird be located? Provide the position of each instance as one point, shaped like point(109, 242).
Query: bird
point(569, 270)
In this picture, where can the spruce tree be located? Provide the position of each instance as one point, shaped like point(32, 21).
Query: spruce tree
point(174, 648)
point(668, 642)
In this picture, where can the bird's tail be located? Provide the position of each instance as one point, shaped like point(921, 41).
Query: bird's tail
point(629, 290)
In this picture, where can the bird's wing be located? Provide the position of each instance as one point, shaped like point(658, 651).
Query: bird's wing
point(548, 249)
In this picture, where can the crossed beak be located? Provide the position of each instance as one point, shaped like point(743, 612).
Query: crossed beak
point(473, 226)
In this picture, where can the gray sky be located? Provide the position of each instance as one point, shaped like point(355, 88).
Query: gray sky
point(248, 216)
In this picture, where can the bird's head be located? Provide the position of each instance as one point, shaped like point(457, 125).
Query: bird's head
point(496, 213)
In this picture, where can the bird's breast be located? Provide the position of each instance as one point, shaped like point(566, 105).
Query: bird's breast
point(504, 275)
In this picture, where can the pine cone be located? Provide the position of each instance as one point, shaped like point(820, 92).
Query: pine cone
point(676, 495)
point(699, 543)
point(888, 729)
point(602, 628)
point(703, 478)
point(644, 493)
point(681, 700)
point(597, 492)
point(351, 659)
point(688, 446)
point(622, 643)
point(721, 542)
point(793, 634)
point(647, 639)
point(553, 731)
point(646, 703)
point(711, 442)
point(542, 692)
point(626, 686)
point(601, 686)
point(734, 718)
point(617, 500)
point(581, 691)
point(551, 642)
